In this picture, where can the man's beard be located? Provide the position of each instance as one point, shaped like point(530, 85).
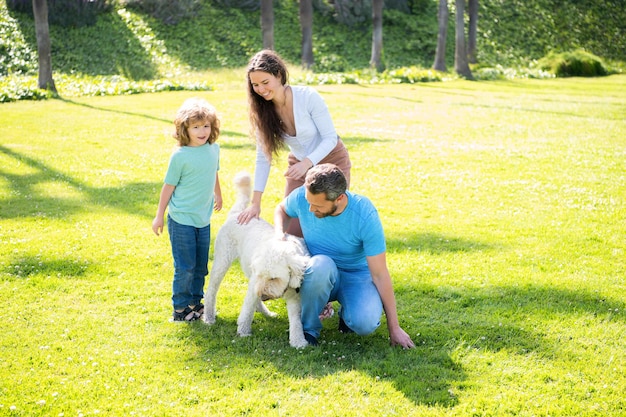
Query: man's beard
point(330, 213)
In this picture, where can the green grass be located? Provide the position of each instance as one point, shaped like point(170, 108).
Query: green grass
point(504, 208)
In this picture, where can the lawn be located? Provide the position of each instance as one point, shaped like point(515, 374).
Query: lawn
point(504, 206)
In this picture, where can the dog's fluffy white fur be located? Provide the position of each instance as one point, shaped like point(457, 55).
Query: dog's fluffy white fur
point(274, 268)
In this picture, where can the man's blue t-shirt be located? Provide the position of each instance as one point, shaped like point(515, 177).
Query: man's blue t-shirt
point(347, 238)
point(192, 170)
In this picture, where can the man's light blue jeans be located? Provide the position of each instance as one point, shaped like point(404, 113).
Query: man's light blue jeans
point(190, 250)
point(361, 306)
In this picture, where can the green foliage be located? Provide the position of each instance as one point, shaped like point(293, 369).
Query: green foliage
point(499, 72)
point(411, 75)
point(407, 75)
point(113, 46)
point(353, 12)
point(419, 48)
point(13, 88)
point(66, 13)
point(16, 55)
point(578, 63)
point(201, 43)
point(515, 32)
point(330, 63)
point(135, 45)
point(167, 11)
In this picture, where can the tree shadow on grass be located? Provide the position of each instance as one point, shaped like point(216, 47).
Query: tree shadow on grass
point(423, 375)
point(25, 200)
point(27, 266)
point(229, 133)
point(444, 322)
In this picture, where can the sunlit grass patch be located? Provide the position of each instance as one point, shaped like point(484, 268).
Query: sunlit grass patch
point(503, 205)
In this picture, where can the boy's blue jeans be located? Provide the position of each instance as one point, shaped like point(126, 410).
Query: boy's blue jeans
point(190, 250)
point(361, 306)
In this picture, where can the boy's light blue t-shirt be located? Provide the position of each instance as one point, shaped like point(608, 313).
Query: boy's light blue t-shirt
point(347, 238)
point(193, 170)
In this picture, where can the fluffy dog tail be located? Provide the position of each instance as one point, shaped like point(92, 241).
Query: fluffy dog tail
point(243, 189)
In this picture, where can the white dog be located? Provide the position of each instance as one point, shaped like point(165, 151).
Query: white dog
point(274, 268)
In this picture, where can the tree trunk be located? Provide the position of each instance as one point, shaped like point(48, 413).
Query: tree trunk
point(461, 65)
point(440, 55)
point(267, 23)
point(40, 11)
point(472, 32)
point(306, 23)
point(377, 35)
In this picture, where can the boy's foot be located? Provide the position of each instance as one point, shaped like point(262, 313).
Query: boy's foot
point(198, 310)
point(186, 315)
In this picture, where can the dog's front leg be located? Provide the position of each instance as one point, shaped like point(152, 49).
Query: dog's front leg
point(294, 312)
point(244, 322)
point(262, 308)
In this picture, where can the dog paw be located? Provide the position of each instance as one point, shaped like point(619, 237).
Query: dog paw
point(298, 341)
point(300, 344)
point(208, 320)
point(244, 332)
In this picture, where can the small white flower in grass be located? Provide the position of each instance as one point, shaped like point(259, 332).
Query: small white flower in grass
point(41, 402)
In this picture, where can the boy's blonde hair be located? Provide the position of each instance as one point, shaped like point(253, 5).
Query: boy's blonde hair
point(193, 110)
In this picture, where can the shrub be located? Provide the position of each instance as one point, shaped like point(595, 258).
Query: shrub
point(578, 63)
point(168, 12)
point(15, 88)
point(16, 56)
point(66, 13)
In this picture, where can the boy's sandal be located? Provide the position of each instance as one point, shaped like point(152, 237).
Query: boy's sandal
point(198, 310)
point(186, 315)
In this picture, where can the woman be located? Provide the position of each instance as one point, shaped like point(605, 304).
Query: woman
point(295, 117)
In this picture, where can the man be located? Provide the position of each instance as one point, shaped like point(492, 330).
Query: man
point(348, 256)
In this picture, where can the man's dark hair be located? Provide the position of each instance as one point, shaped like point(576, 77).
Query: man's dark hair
point(327, 179)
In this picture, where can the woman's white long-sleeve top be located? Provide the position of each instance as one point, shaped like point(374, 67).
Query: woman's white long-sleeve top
point(315, 133)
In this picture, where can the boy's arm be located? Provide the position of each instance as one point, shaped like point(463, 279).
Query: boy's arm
point(164, 199)
point(218, 193)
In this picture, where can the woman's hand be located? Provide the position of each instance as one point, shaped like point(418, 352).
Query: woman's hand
point(248, 214)
point(298, 170)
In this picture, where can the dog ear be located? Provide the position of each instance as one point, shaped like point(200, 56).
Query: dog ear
point(297, 266)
